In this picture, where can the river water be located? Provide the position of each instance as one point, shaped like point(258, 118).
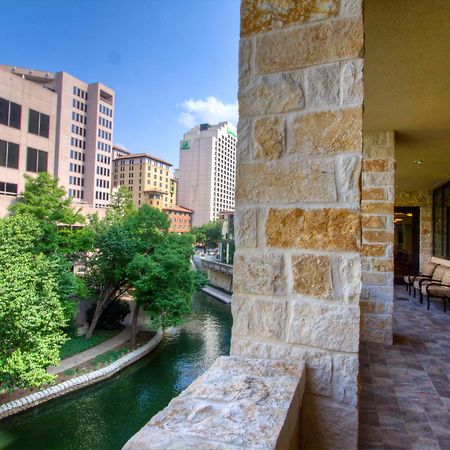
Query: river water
point(106, 415)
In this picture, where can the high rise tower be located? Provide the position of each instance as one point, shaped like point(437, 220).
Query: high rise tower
point(207, 170)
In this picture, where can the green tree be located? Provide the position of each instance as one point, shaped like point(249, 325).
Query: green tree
point(163, 282)
point(209, 234)
point(33, 304)
point(117, 243)
point(121, 203)
point(45, 200)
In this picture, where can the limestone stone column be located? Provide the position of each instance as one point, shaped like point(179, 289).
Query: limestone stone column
point(378, 186)
point(297, 271)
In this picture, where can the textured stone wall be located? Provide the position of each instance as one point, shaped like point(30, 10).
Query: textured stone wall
point(423, 199)
point(378, 181)
point(297, 268)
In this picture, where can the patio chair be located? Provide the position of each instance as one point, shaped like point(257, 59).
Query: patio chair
point(438, 290)
point(422, 280)
point(427, 272)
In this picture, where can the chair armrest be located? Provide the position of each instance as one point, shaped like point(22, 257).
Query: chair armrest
point(427, 279)
point(420, 275)
point(436, 283)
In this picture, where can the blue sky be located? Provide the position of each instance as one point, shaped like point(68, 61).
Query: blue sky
point(172, 63)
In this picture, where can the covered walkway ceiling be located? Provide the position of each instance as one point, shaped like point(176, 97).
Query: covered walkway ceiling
point(407, 85)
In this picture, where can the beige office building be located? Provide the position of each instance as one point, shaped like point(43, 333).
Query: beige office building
point(148, 178)
point(83, 126)
point(207, 171)
point(27, 134)
point(118, 151)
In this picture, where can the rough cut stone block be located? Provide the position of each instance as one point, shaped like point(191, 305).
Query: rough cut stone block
point(373, 222)
point(379, 237)
point(286, 182)
point(373, 278)
point(244, 143)
point(312, 276)
point(373, 249)
point(319, 364)
point(262, 274)
point(352, 83)
point(377, 208)
point(245, 227)
point(307, 46)
point(327, 424)
point(258, 16)
point(378, 179)
point(245, 58)
point(246, 383)
point(226, 408)
point(378, 145)
point(347, 278)
point(326, 132)
point(348, 171)
point(259, 317)
point(332, 327)
point(383, 265)
point(323, 86)
point(375, 165)
point(271, 94)
point(345, 379)
point(269, 138)
point(373, 194)
point(326, 229)
point(351, 7)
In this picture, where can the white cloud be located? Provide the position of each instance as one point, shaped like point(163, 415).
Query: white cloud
point(210, 110)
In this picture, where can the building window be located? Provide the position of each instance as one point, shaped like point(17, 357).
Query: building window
point(36, 160)
point(441, 221)
point(8, 188)
point(9, 155)
point(38, 123)
point(10, 113)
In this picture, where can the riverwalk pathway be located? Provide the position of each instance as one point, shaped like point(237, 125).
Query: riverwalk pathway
point(91, 353)
point(217, 293)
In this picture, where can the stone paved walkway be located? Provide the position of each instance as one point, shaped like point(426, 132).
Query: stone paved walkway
point(405, 392)
point(91, 353)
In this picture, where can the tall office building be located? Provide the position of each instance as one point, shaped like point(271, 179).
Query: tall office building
point(27, 134)
point(207, 170)
point(84, 126)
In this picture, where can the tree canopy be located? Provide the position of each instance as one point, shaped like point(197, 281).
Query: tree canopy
point(45, 200)
point(209, 234)
point(33, 304)
point(117, 242)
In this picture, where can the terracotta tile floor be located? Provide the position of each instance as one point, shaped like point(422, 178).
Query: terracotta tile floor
point(405, 392)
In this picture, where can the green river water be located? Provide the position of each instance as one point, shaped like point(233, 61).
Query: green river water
point(106, 415)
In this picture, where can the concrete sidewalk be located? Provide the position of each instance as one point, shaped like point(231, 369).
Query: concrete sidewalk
point(217, 293)
point(91, 353)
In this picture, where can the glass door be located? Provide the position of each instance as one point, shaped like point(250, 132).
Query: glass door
point(406, 242)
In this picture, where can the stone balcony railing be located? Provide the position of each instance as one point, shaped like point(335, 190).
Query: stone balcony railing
point(238, 403)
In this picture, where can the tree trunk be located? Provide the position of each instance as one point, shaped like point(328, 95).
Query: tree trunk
point(134, 325)
point(98, 312)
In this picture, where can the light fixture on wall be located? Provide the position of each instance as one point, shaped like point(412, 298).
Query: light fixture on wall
point(418, 161)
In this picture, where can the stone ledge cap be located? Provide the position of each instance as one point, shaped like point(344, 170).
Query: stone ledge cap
point(239, 402)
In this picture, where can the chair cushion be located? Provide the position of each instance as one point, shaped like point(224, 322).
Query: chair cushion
point(429, 268)
point(446, 276)
point(439, 272)
point(418, 279)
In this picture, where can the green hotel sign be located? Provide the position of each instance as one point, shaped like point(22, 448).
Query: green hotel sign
point(232, 133)
point(185, 145)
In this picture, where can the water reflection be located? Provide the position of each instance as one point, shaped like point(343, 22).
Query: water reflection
point(107, 415)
